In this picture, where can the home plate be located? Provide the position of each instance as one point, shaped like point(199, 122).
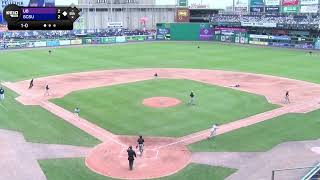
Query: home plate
point(148, 153)
point(316, 150)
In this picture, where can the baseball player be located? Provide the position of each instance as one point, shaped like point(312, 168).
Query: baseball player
point(213, 131)
point(192, 98)
point(77, 111)
point(47, 90)
point(140, 144)
point(1, 94)
point(236, 86)
point(155, 75)
point(286, 99)
point(31, 84)
point(50, 52)
point(131, 156)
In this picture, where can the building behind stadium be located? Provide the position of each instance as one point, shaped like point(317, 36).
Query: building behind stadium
point(130, 14)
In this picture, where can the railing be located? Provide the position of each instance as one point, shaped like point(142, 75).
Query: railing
point(20, 44)
point(312, 173)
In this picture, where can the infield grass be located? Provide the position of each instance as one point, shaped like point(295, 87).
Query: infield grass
point(67, 169)
point(119, 108)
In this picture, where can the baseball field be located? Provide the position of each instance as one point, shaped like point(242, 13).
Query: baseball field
point(110, 83)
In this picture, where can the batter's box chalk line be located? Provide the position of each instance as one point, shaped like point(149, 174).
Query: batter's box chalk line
point(147, 153)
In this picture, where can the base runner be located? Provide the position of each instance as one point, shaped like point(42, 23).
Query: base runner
point(140, 145)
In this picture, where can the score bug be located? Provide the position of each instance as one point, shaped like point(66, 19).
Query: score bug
point(40, 18)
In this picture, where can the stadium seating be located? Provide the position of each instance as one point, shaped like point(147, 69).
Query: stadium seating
point(16, 35)
point(279, 19)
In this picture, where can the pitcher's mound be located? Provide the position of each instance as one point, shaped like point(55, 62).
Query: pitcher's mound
point(161, 102)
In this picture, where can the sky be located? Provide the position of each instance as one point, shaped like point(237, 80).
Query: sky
point(219, 4)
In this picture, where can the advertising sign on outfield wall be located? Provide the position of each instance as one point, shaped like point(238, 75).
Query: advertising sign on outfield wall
point(317, 44)
point(108, 40)
point(257, 36)
point(136, 38)
point(13, 45)
point(64, 42)
point(96, 40)
point(163, 33)
point(121, 39)
point(256, 3)
point(206, 33)
point(76, 41)
point(309, 9)
point(272, 10)
point(308, 2)
point(290, 2)
point(256, 9)
point(259, 43)
point(40, 44)
point(272, 2)
point(30, 45)
point(283, 38)
point(53, 43)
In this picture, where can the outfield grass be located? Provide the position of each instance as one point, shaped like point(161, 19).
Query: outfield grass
point(40, 126)
point(120, 109)
point(280, 62)
point(264, 136)
point(74, 169)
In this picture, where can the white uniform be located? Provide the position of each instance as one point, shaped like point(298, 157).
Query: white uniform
point(1, 94)
point(213, 131)
point(77, 111)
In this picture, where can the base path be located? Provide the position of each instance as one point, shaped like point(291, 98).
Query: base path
point(163, 156)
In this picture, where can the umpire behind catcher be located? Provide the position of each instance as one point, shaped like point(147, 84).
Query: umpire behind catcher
point(131, 156)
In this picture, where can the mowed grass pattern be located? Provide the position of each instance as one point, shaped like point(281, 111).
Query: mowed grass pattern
point(74, 169)
point(294, 64)
point(119, 109)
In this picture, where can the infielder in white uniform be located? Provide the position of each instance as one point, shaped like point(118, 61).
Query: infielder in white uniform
point(213, 131)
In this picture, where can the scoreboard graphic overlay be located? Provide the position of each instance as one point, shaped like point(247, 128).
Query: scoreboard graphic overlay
point(40, 18)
